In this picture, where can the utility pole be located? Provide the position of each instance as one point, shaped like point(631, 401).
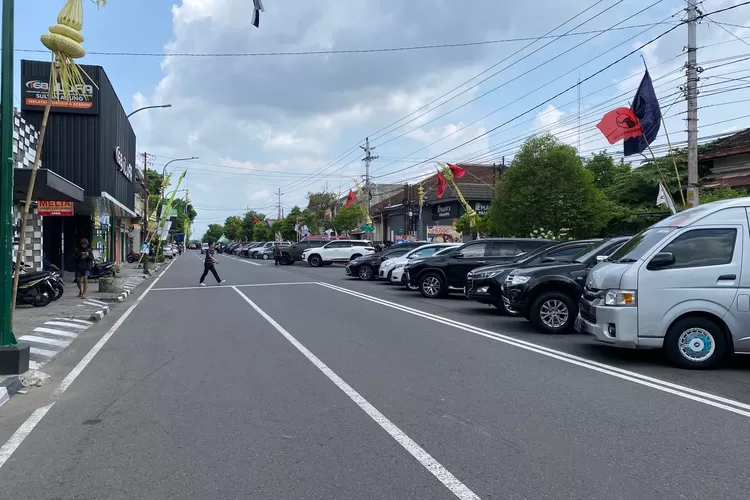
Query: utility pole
point(692, 104)
point(279, 203)
point(144, 230)
point(367, 159)
point(579, 113)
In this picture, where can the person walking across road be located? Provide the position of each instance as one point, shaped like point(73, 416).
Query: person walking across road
point(209, 265)
point(83, 259)
point(276, 254)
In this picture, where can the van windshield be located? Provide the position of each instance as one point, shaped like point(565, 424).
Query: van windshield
point(640, 244)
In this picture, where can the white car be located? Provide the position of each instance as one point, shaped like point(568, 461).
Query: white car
point(337, 251)
point(168, 251)
point(397, 273)
point(418, 253)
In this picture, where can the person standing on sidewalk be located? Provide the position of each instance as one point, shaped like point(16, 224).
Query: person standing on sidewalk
point(209, 265)
point(83, 259)
point(276, 254)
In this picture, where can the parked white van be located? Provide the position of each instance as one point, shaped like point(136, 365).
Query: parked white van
point(682, 285)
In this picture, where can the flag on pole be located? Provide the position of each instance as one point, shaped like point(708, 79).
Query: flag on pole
point(457, 171)
point(648, 115)
point(664, 198)
point(257, 9)
point(442, 185)
point(255, 220)
point(351, 198)
point(619, 124)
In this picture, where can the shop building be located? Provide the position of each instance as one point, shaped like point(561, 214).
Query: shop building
point(90, 143)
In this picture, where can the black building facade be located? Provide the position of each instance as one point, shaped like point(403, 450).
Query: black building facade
point(90, 142)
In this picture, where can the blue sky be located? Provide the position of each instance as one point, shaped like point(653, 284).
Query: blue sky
point(263, 123)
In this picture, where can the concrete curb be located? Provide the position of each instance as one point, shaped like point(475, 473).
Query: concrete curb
point(9, 387)
point(98, 315)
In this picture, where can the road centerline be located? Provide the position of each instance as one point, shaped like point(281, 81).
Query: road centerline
point(436, 468)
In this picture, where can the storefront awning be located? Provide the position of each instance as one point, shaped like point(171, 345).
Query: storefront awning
point(115, 208)
point(47, 186)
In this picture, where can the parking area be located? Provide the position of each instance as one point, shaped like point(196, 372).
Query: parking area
point(731, 380)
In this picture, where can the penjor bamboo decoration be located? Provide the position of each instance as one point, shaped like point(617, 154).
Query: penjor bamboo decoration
point(64, 41)
point(470, 212)
point(361, 196)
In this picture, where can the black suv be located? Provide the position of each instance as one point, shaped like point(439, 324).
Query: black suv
point(484, 284)
point(434, 276)
point(548, 296)
point(367, 266)
point(290, 255)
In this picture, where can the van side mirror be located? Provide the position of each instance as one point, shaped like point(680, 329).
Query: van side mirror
point(661, 260)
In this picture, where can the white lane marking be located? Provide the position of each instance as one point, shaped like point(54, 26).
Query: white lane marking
point(44, 340)
point(69, 325)
point(35, 351)
point(714, 400)
point(22, 433)
point(82, 321)
point(231, 286)
point(96, 304)
point(436, 468)
point(99, 302)
point(54, 331)
point(249, 262)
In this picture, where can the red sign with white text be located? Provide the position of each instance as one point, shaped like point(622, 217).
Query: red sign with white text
point(54, 208)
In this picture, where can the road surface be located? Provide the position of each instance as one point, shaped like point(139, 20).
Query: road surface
point(294, 383)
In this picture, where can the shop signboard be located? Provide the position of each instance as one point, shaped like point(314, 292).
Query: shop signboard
point(123, 165)
point(83, 98)
point(443, 234)
point(445, 210)
point(60, 208)
point(480, 207)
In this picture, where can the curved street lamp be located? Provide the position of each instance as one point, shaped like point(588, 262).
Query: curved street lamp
point(149, 107)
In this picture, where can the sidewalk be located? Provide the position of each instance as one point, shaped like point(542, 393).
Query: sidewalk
point(49, 330)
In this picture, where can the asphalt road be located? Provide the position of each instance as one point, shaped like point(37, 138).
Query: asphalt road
point(299, 383)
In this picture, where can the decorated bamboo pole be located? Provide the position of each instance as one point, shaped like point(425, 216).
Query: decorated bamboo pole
point(447, 172)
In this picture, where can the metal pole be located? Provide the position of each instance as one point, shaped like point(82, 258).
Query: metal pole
point(692, 104)
point(6, 177)
point(149, 107)
point(145, 211)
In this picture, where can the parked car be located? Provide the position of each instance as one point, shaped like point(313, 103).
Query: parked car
point(484, 284)
point(434, 277)
point(337, 251)
point(681, 285)
point(367, 267)
point(168, 251)
point(204, 247)
point(397, 274)
point(548, 295)
point(252, 251)
point(420, 252)
point(293, 253)
point(267, 252)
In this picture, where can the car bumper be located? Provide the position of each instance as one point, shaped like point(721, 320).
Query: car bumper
point(481, 291)
point(516, 296)
point(616, 326)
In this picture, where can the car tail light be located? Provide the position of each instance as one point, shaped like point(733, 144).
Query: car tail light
point(370, 249)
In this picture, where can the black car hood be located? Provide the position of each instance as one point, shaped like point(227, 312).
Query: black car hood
point(550, 269)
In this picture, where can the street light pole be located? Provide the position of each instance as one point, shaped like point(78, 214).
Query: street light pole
point(14, 359)
point(149, 107)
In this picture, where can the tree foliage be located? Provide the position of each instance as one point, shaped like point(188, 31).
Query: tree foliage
point(233, 228)
point(547, 186)
point(213, 233)
point(262, 233)
point(348, 218)
point(463, 225)
point(248, 224)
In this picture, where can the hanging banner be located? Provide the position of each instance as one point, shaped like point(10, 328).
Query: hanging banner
point(54, 208)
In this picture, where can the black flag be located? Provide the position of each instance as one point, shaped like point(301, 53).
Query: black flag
point(646, 108)
point(258, 8)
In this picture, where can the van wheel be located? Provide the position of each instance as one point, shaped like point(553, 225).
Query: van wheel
point(696, 344)
point(553, 312)
point(432, 286)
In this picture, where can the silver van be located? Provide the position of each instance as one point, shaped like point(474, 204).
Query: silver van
point(682, 285)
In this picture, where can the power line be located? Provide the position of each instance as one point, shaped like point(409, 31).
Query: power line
point(342, 51)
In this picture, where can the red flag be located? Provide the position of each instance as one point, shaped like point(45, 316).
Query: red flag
point(255, 220)
point(619, 124)
point(442, 184)
point(457, 171)
point(351, 198)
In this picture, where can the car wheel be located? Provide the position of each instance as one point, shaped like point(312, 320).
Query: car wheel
point(503, 307)
point(366, 273)
point(265, 256)
point(286, 260)
point(315, 261)
point(432, 286)
point(696, 343)
point(553, 312)
point(389, 276)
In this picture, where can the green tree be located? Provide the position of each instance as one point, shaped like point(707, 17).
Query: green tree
point(546, 187)
point(319, 202)
point(213, 233)
point(721, 193)
point(233, 228)
point(248, 223)
point(463, 225)
point(313, 220)
point(261, 232)
point(154, 186)
point(347, 218)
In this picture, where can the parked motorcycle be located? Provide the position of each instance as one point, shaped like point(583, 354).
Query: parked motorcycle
point(55, 281)
point(102, 269)
point(34, 289)
point(132, 257)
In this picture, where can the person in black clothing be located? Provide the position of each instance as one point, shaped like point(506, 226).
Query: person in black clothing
point(83, 259)
point(276, 254)
point(209, 265)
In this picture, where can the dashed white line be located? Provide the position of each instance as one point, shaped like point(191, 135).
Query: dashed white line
point(21, 433)
point(436, 468)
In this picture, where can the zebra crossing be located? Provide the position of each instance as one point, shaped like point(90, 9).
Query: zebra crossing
point(46, 341)
point(131, 283)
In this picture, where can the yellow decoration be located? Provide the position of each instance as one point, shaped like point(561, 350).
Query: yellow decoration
point(470, 212)
point(420, 192)
point(361, 196)
point(64, 41)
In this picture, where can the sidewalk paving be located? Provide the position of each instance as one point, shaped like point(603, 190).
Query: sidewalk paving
point(49, 330)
